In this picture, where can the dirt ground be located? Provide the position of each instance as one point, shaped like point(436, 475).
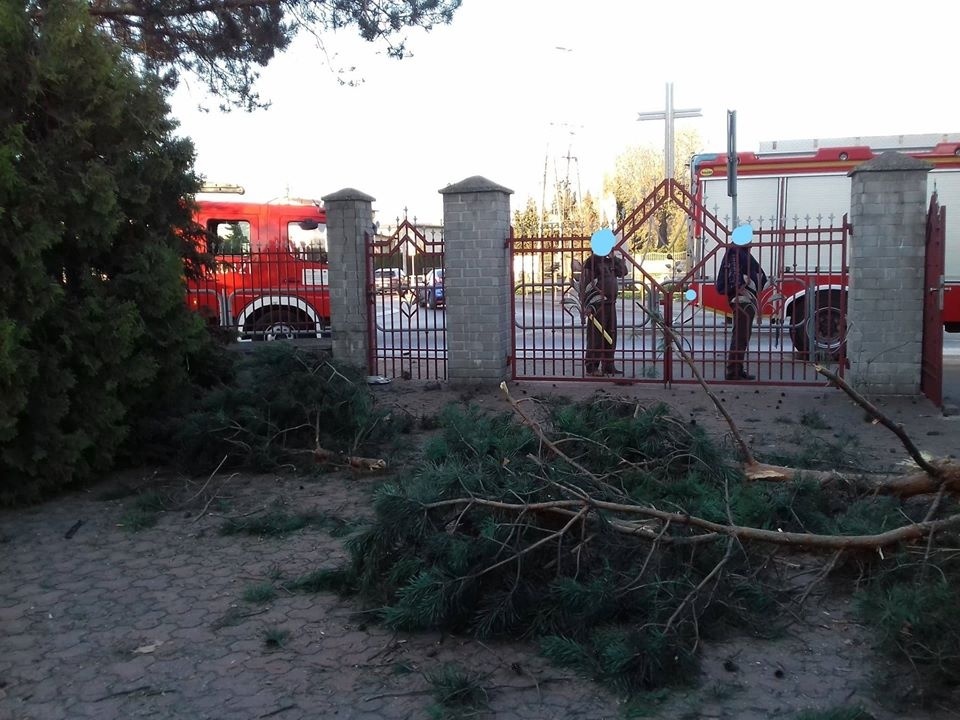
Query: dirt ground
point(160, 623)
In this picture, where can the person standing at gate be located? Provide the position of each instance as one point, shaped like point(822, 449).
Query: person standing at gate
point(598, 287)
point(741, 279)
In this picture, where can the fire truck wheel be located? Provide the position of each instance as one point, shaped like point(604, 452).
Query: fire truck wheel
point(829, 329)
point(282, 324)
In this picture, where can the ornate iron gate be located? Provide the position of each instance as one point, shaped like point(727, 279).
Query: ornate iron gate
point(931, 375)
point(802, 311)
point(407, 321)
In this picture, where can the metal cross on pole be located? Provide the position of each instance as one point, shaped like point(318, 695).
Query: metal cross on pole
point(669, 115)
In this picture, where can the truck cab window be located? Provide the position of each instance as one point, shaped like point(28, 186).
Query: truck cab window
point(308, 240)
point(229, 237)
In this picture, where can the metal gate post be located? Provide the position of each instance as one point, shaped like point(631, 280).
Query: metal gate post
point(931, 376)
point(668, 336)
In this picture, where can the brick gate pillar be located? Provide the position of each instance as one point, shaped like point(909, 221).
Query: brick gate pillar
point(888, 207)
point(349, 220)
point(477, 280)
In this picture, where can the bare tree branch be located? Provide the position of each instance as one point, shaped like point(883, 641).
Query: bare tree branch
point(897, 429)
point(905, 533)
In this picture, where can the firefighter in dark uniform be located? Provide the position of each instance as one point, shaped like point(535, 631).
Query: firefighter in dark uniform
point(741, 279)
point(599, 304)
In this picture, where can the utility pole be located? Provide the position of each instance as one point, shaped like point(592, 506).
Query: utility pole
point(669, 115)
point(559, 199)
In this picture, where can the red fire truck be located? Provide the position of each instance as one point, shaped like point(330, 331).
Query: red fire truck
point(806, 184)
point(270, 276)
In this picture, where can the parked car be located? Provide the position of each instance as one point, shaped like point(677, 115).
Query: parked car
point(421, 279)
point(389, 280)
point(430, 290)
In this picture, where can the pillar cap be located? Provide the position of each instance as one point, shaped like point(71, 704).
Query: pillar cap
point(347, 194)
point(891, 160)
point(477, 183)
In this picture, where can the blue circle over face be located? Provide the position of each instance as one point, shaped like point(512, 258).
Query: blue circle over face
point(602, 242)
point(690, 295)
point(743, 235)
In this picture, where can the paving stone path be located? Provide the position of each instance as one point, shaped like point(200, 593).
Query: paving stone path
point(115, 623)
point(118, 624)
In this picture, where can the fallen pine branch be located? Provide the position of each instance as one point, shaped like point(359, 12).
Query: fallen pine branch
point(914, 531)
point(903, 486)
point(533, 425)
point(745, 452)
point(936, 477)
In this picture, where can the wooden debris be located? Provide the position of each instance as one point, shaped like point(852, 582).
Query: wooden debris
point(361, 464)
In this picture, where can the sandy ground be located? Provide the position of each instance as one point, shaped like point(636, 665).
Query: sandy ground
point(110, 623)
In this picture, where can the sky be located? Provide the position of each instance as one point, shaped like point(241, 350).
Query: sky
point(514, 90)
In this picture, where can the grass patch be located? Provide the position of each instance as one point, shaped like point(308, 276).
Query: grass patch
point(646, 704)
point(275, 638)
point(338, 580)
point(914, 613)
point(278, 523)
point(260, 593)
point(813, 420)
point(630, 660)
point(144, 511)
point(808, 451)
point(723, 690)
point(456, 693)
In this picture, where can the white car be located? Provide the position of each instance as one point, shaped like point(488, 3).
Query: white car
point(389, 280)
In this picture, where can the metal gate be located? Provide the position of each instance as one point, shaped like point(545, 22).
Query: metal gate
point(802, 316)
point(407, 321)
point(931, 375)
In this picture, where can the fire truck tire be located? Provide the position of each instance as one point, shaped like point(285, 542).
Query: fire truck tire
point(828, 326)
point(280, 324)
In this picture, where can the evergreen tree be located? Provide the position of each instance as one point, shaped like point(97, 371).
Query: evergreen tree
point(95, 336)
point(236, 241)
point(638, 171)
point(225, 42)
point(529, 221)
point(588, 217)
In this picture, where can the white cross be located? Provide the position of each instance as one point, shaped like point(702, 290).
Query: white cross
point(669, 115)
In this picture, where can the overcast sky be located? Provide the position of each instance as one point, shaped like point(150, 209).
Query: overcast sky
point(512, 87)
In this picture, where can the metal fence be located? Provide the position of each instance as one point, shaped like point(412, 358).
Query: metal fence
point(407, 301)
point(802, 316)
point(264, 295)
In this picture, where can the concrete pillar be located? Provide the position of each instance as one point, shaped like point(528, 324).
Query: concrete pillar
point(349, 221)
point(477, 281)
point(888, 210)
